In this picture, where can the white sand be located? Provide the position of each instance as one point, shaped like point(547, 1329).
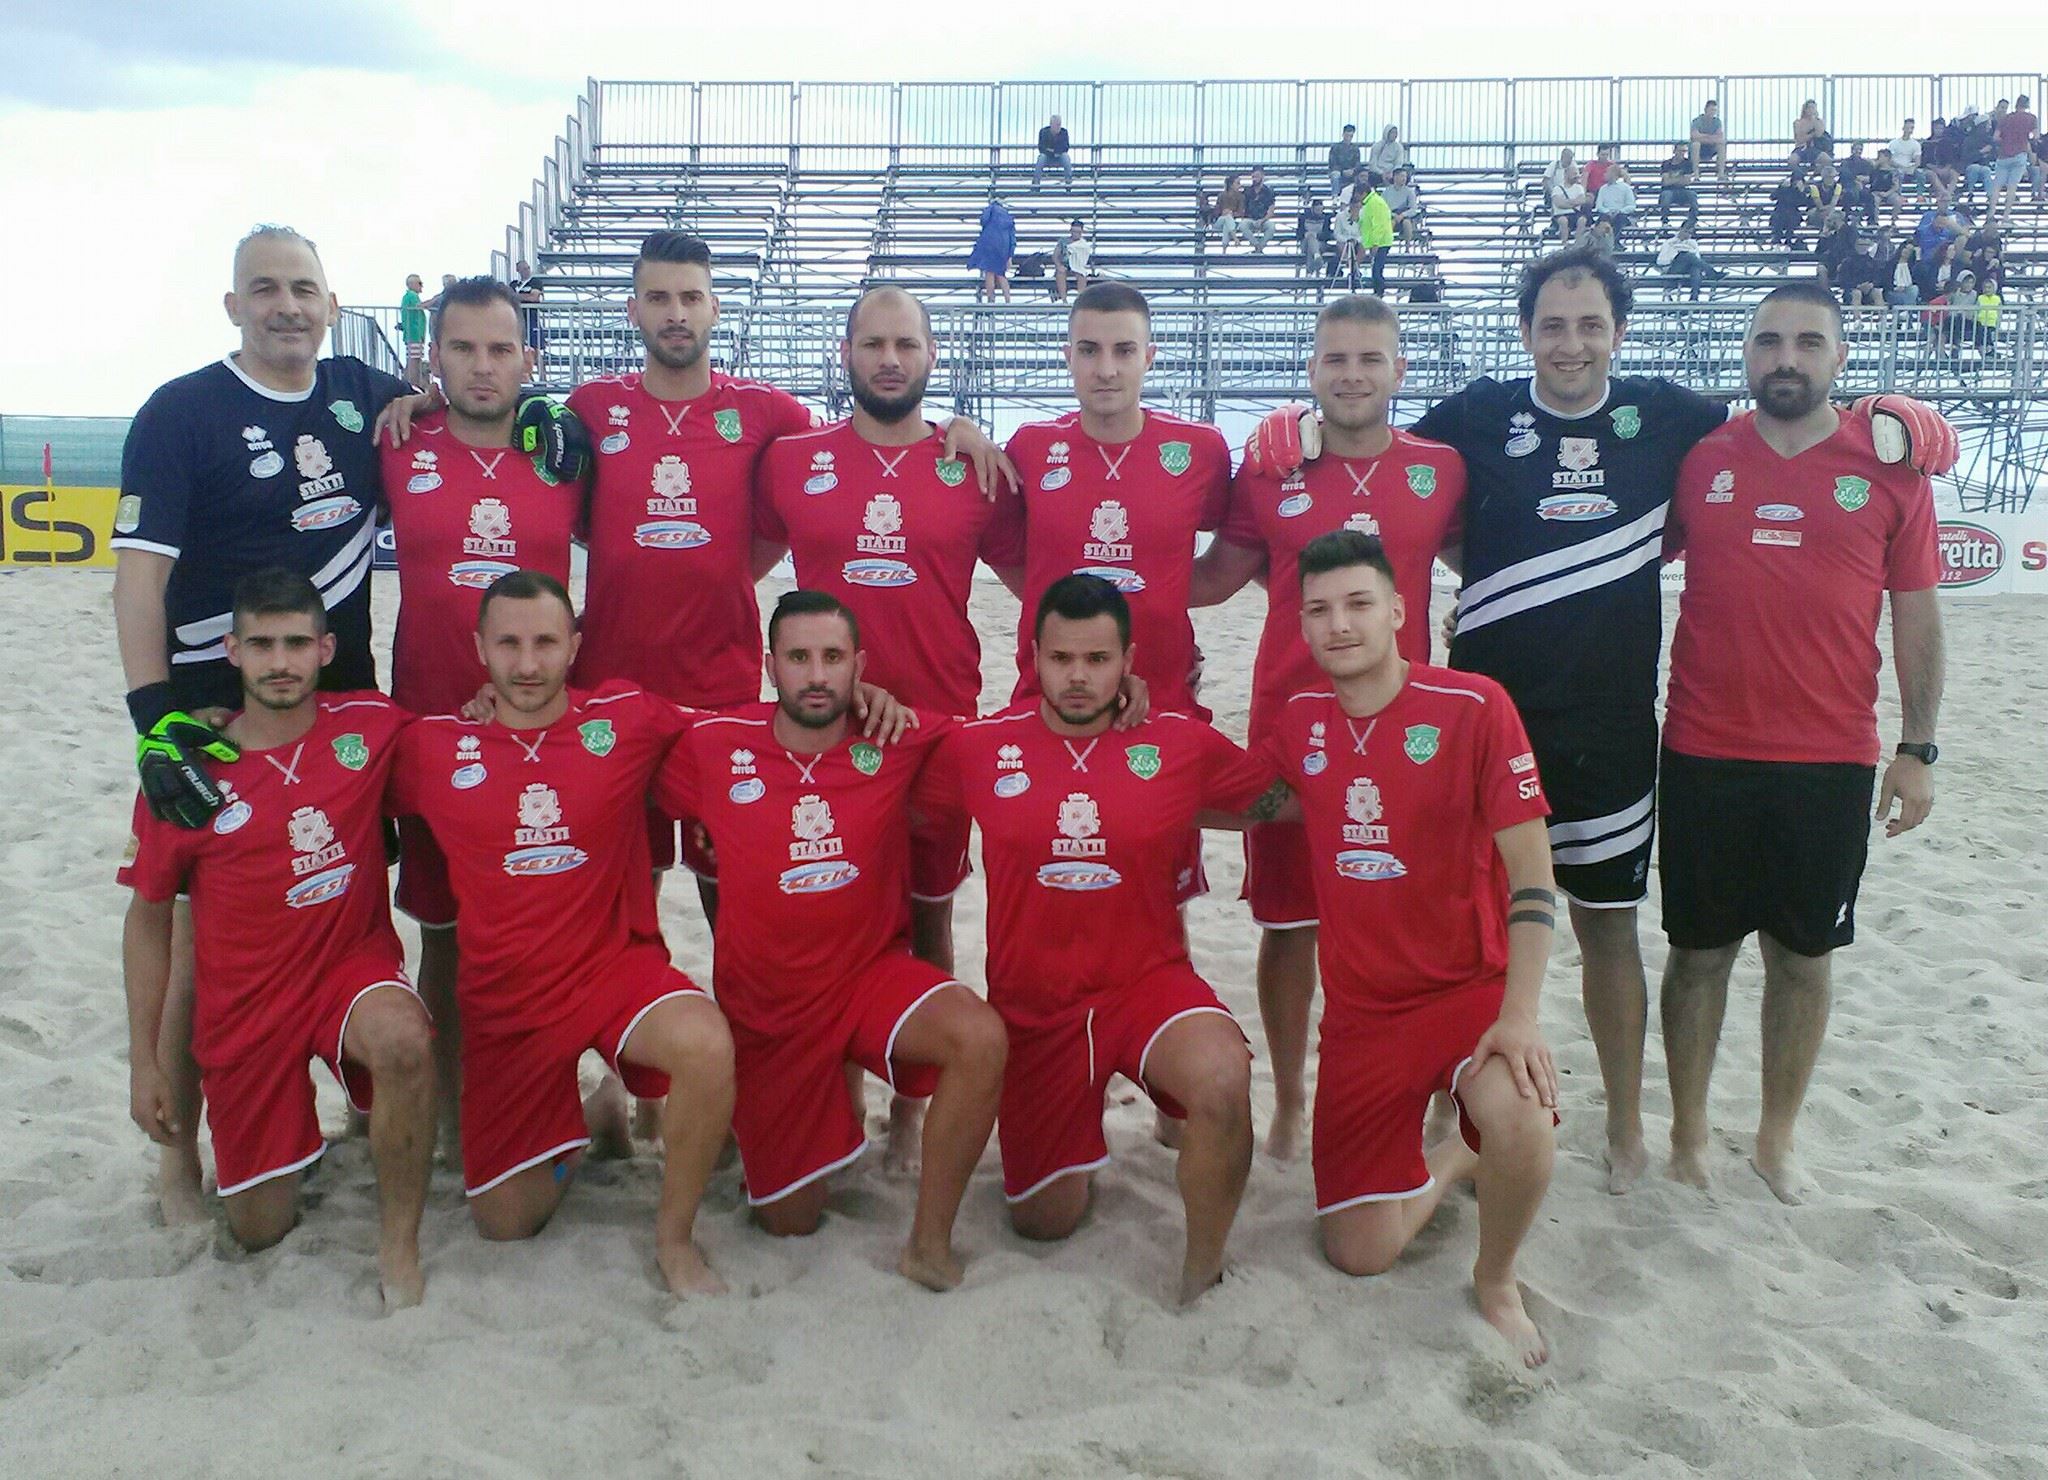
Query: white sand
point(1894, 1326)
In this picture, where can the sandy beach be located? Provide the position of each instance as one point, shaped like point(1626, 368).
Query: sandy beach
point(1895, 1325)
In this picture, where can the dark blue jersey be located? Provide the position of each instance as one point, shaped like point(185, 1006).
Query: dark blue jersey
point(226, 476)
point(1564, 531)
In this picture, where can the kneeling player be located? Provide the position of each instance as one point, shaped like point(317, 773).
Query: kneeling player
point(1083, 833)
point(542, 817)
point(1432, 879)
point(296, 956)
point(813, 964)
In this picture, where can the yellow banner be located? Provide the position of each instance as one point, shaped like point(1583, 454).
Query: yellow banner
point(56, 526)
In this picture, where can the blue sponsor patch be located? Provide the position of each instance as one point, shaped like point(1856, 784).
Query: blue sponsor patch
point(423, 483)
point(1013, 785)
point(818, 878)
point(881, 574)
point(819, 483)
point(671, 534)
point(1127, 581)
point(1780, 513)
point(1078, 877)
point(325, 513)
point(555, 858)
point(1576, 508)
point(616, 442)
point(468, 778)
point(331, 884)
point(1369, 864)
point(1295, 505)
point(750, 790)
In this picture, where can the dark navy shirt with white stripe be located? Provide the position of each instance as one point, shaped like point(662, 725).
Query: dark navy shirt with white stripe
point(1564, 531)
point(226, 476)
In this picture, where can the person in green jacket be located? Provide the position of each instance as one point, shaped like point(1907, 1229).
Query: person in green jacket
point(412, 325)
point(1375, 234)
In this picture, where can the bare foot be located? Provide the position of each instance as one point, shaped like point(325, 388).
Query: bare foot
point(1781, 1173)
point(1625, 1163)
point(1501, 1304)
point(941, 1271)
point(401, 1279)
point(647, 1119)
point(1167, 1131)
point(1195, 1283)
point(604, 1113)
point(180, 1195)
point(684, 1271)
point(904, 1153)
point(1688, 1164)
point(1283, 1136)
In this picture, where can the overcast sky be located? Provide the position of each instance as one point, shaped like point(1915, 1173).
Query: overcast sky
point(137, 141)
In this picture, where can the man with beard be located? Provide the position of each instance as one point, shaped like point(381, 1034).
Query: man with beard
point(813, 965)
point(1793, 531)
point(466, 508)
point(1380, 481)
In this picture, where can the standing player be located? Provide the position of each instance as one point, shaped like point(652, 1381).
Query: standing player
point(1793, 531)
point(542, 817)
point(466, 508)
point(1432, 878)
point(264, 458)
point(1082, 832)
point(813, 966)
point(297, 959)
point(1380, 481)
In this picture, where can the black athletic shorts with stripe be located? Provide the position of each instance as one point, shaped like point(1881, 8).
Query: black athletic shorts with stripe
point(1599, 769)
point(1770, 846)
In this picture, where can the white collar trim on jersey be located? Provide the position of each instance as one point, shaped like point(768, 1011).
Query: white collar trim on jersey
point(265, 391)
point(1593, 410)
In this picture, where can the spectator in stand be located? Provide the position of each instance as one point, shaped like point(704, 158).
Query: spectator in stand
point(1070, 260)
point(1937, 229)
point(1388, 155)
point(1988, 303)
point(412, 327)
point(1940, 273)
point(1865, 271)
point(1616, 202)
point(1984, 252)
point(1230, 211)
point(1905, 152)
point(1969, 149)
point(2014, 142)
point(993, 250)
point(1258, 209)
point(1313, 238)
point(1678, 256)
point(1810, 137)
point(1944, 174)
point(1674, 186)
point(1344, 160)
point(1827, 192)
point(1599, 238)
point(1405, 204)
point(1837, 241)
point(2039, 168)
point(1376, 235)
point(1710, 141)
point(447, 282)
point(1885, 183)
point(1790, 202)
point(526, 288)
point(1903, 290)
point(1951, 312)
point(1564, 196)
point(1596, 172)
point(1054, 149)
point(1855, 173)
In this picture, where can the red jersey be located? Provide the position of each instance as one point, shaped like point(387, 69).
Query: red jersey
point(1787, 562)
point(462, 516)
point(1411, 496)
point(1083, 840)
point(893, 532)
point(813, 856)
point(1401, 810)
point(1127, 512)
point(546, 836)
point(670, 590)
point(287, 879)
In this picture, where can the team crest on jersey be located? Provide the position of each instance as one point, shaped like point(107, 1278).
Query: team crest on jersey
point(1080, 821)
point(728, 424)
point(952, 472)
point(598, 736)
point(315, 467)
point(543, 845)
point(1852, 493)
point(1176, 457)
point(1522, 436)
point(320, 868)
point(426, 472)
point(883, 518)
point(1109, 528)
point(820, 858)
point(489, 521)
point(669, 491)
point(352, 751)
point(346, 415)
point(1143, 761)
point(1722, 489)
point(1578, 464)
point(264, 461)
point(1364, 808)
point(1420, 743)
point(1628, 420)
point(1421, 479)
point(1363, 522)
point(234, 813)
point(866, 758)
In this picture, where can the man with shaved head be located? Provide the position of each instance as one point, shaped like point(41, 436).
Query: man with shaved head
point(261, 459)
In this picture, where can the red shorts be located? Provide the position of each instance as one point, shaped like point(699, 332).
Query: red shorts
point(423, 888)
point(791, 1116)
point(697, 854)
point(1374, 1077)
point(938, 859)
point(260, 1108)
point(1279, 883)
point(520, 1102)
point(1050, 1121)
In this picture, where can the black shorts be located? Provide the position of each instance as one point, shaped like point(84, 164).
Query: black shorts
point(1771, 846)
point(1599, 770)
point(200, 685)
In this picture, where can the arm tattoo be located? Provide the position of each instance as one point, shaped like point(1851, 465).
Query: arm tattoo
point(1541, 897)
point(1528, 916)
point(1270, 801)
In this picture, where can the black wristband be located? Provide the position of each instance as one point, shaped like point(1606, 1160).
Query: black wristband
point(149, 704)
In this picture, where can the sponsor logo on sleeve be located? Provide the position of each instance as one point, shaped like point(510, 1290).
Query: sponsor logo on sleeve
point(1722, 489)
point(1522, 764)
point(128, 513)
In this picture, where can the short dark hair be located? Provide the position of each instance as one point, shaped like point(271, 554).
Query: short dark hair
point(1340, 549)
point(1350, 128)
point(1358, 308)
point(474, 292)
point(1574, 259)
point(275, 592)
point(524, 585)
point(810, 604)
point(1108, 297)
point(1802, 290)
point(1078, 597)
point(853, 313)
point(671, 246)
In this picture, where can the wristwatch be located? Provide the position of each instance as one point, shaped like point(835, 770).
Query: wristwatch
point(1927, 754)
